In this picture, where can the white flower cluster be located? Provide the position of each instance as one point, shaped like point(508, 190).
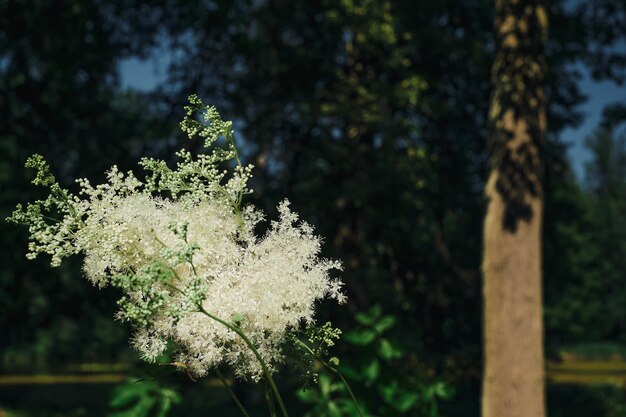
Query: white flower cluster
point(179, 244)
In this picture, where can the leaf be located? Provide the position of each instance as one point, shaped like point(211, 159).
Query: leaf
point(384, 324)
point(369, 317)
point(164, 407)
point(443, 390)
point(325, 384)
point(372, 370)
point(333, 409)
point(375, 310)
point(405, 401)
point(365, 318)
point(140, 409)
point(307, 395)
point(173, 395)
point(388, 351)
point(124, 395)
point(350, 410)
point(360, 337)
point(143, 407)
point(168, 398)
point(145, 399)
point(388, 391)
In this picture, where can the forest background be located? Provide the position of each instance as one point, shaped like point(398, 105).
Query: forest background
point(371, 117)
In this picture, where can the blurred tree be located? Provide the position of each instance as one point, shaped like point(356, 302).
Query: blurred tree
point(585, 249)
point(581, 265)
point(574, 267)
point(513, 379)
point(606, 181)
point(606, 172)
point(388, 102)
point(59, 97)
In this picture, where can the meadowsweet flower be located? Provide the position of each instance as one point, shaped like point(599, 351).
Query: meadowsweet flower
point(178, 243)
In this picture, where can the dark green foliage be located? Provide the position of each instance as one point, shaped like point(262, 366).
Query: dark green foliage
point(572, 260)
point(386, 380)
point(145, 398)
point(576, 401)
point(585, 249)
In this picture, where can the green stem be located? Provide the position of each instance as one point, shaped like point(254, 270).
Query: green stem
point(336, 372)
point(231, 139)
point(237, 206)
point(231, 392)
point(270, 400)
point(345, 383)
point(264, 367)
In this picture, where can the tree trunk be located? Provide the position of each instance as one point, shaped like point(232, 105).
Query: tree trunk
point(513, 378)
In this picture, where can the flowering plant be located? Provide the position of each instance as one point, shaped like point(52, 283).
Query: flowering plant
point(182, 247)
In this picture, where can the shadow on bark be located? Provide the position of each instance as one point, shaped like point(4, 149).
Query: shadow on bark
point(517, 114)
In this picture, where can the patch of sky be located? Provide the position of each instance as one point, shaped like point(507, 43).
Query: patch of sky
point(145, 74)
point(599, 95)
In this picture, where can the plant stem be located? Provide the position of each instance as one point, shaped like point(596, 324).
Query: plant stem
point(248, 342)
point(336, 372)
point(270, 400)
point(345, 383)
point(231, 392)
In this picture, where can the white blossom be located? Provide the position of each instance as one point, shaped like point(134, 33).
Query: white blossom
point(179, 243)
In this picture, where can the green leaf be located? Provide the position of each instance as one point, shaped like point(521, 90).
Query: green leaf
point(125, 395)
point(360, 337)
point(325, 384)
point(376, 310)
point(307, 395)
point(388, 351)
point(369, 317)
point(365, 318)
point(443, 390)
point(388, 391)
point(145, 399)
point(168, 398)
point(139, 409)
point(405, 401)
point(385, 324)
point(143, 407)
point(164, 407)
point(333, 410)
point(372, 370)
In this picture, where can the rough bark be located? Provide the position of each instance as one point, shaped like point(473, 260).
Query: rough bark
point(513, 378)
